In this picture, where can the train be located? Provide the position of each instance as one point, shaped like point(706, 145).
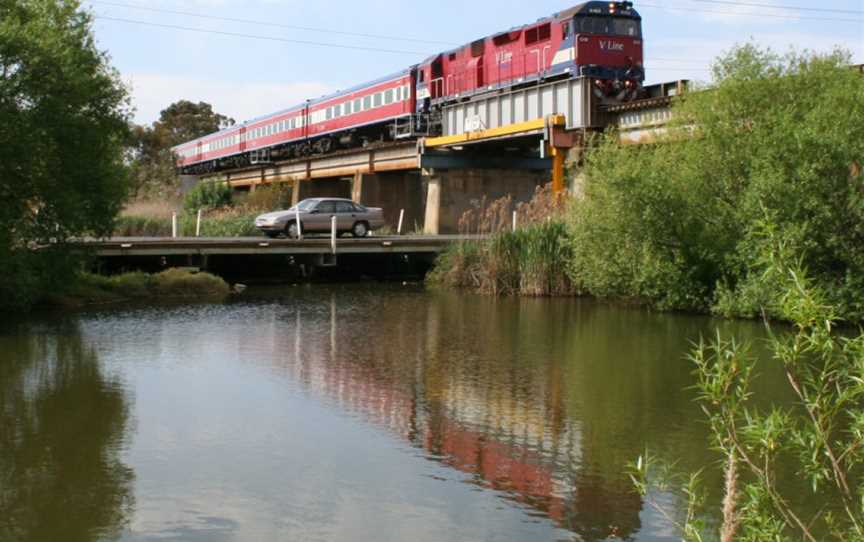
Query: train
point(598, 40)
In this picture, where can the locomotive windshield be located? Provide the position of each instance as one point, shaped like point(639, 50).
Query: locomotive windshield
point(608, 26)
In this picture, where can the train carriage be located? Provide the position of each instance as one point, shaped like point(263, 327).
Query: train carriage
point(344, 119)
point(598, 40)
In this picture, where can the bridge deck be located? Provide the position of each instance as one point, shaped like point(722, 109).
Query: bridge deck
point(209, 246)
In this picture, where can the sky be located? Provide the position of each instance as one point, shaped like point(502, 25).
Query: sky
point(251, 57)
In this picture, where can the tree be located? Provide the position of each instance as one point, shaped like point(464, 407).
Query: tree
point(675, 223)
point(821, 435)
point(153, 166)
point(63, 126)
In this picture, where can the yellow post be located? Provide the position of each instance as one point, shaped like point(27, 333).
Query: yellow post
point(558, 157)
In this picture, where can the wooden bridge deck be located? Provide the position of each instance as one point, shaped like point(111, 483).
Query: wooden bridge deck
point(237, 246)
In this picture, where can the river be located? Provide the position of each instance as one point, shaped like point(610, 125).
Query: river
point(349, 412)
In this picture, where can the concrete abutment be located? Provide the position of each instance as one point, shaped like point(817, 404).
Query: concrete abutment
point(450, 193)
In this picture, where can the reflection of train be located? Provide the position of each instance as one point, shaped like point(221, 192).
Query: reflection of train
point(503, 443)
point(599, 40)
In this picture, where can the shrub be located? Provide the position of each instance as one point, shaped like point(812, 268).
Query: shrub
point(268, 198)
point(137, 285)
point(182, 283)
point(207, 195)
point(674, 224)
point(820, 433)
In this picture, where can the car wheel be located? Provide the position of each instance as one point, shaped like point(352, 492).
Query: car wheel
point(360, 229)
point(292, 231)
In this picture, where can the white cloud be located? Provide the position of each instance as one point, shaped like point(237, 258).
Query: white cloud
point(153, 92)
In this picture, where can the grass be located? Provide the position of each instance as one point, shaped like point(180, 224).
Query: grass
point(230, 222)
point(153, 218)
point(151, 208)
point(526, 262)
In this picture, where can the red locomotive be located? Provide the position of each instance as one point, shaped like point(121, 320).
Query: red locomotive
point(598, 40)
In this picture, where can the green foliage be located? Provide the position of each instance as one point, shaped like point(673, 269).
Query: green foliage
point(171, 283)
point(64, 126)
point(527, 261)
point(822, 434)
point(153, 162)
point(208, 196)
point(218, 224)
point(272, 197)
point(676, 223)
point(228, 224)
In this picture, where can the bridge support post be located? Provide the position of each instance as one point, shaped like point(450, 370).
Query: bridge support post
point(295, 192)
point(558, 157)
point(432, 221)
point(357, 187)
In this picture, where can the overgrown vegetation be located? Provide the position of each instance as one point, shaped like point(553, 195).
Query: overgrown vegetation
point(207, 196)
point(525, 261)
point(64, 128)
point(171, 283)
point(674, 223)
point(222, 216)
point(822, 435)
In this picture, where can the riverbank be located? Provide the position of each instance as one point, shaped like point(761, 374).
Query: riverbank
point(176, 283)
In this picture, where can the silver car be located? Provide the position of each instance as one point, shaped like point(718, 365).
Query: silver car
point(315, 215)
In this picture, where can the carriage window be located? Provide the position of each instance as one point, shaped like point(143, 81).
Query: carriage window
point(452, 57)
point(565, 30)
point(477, 48)
point(399, 94)
point(358, 104)
point(367, 103)
point(388, 96)
point(329, 113)
point(347, 107)
point(377, 99)
point(538, 33)
point(544, 32)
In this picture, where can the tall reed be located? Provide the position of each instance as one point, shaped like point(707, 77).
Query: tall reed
point(528, 261)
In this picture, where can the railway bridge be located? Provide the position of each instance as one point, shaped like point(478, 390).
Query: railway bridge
point(500, 144)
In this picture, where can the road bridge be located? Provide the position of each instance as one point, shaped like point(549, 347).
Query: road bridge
point(243, 257)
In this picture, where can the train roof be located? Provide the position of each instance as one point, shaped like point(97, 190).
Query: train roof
point(598, 8)
point(586, 8)
point(297, 107)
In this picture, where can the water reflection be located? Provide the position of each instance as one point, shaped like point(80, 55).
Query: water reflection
point(347, 413)
point(543, 401)
point(62, 425)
